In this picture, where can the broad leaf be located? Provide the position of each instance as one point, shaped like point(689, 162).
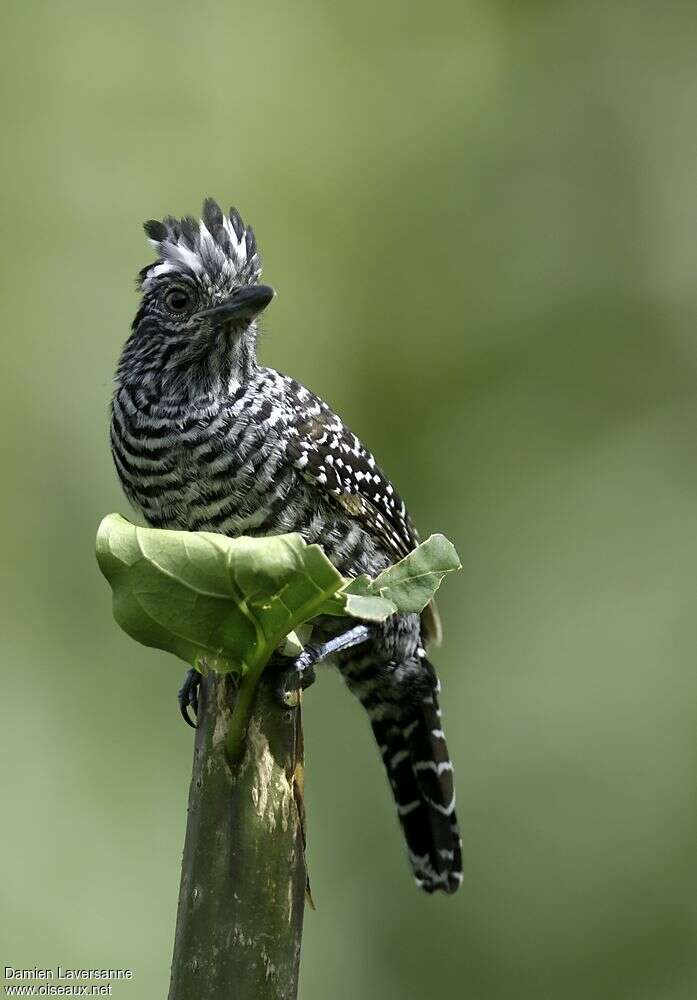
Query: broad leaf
point(407, 586)
point(206, 597)
point(411, 583)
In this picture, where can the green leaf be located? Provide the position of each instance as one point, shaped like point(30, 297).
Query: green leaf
point(202, 596)
point(411, 583)
point(407, 586)
point(358, 600)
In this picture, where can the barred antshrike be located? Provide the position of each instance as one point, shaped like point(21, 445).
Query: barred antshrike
point(204, 438)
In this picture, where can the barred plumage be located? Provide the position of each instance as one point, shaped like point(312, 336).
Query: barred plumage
point(203, 438)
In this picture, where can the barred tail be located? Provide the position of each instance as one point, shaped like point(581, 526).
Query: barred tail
point(421, 774)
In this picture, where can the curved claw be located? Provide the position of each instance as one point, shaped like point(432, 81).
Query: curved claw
point(188, 696)
point(184, 710)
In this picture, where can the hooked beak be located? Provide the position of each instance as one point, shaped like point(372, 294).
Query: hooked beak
point(244, 305)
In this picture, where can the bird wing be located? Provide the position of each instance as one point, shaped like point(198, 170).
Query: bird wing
point(331, 456)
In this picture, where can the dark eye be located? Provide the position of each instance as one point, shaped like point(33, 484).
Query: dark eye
point(177, 299)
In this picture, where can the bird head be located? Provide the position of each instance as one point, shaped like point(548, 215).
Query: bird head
point(206, 278)
point(196, 326)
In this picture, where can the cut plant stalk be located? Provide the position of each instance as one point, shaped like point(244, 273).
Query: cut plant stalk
point(241, 900)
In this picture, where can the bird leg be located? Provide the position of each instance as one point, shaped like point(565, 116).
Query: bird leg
point(301, 673)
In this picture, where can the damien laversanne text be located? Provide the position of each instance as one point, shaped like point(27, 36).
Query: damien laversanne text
point(61, 973)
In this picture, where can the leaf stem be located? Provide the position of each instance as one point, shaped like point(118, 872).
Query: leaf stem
point(241, 713)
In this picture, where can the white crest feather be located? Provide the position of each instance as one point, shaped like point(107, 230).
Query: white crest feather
point(207, 258)
point(239, 246)
point(179, 253)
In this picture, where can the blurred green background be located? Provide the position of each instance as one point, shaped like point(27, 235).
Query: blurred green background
point(480, 218)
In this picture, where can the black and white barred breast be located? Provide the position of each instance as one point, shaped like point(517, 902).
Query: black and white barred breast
point(225, 464)
point(267, 457)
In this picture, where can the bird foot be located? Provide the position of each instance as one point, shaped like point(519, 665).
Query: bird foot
point(188, 696)
point(294, 678)
point(301, 673)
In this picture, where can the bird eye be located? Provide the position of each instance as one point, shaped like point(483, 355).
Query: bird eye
point(177, 300)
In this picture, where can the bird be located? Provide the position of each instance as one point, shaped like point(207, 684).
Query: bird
point(205, 438)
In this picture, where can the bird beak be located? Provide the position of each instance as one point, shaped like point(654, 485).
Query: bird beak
point(245, 304)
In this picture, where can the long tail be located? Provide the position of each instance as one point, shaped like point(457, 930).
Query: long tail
point(421, 775)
